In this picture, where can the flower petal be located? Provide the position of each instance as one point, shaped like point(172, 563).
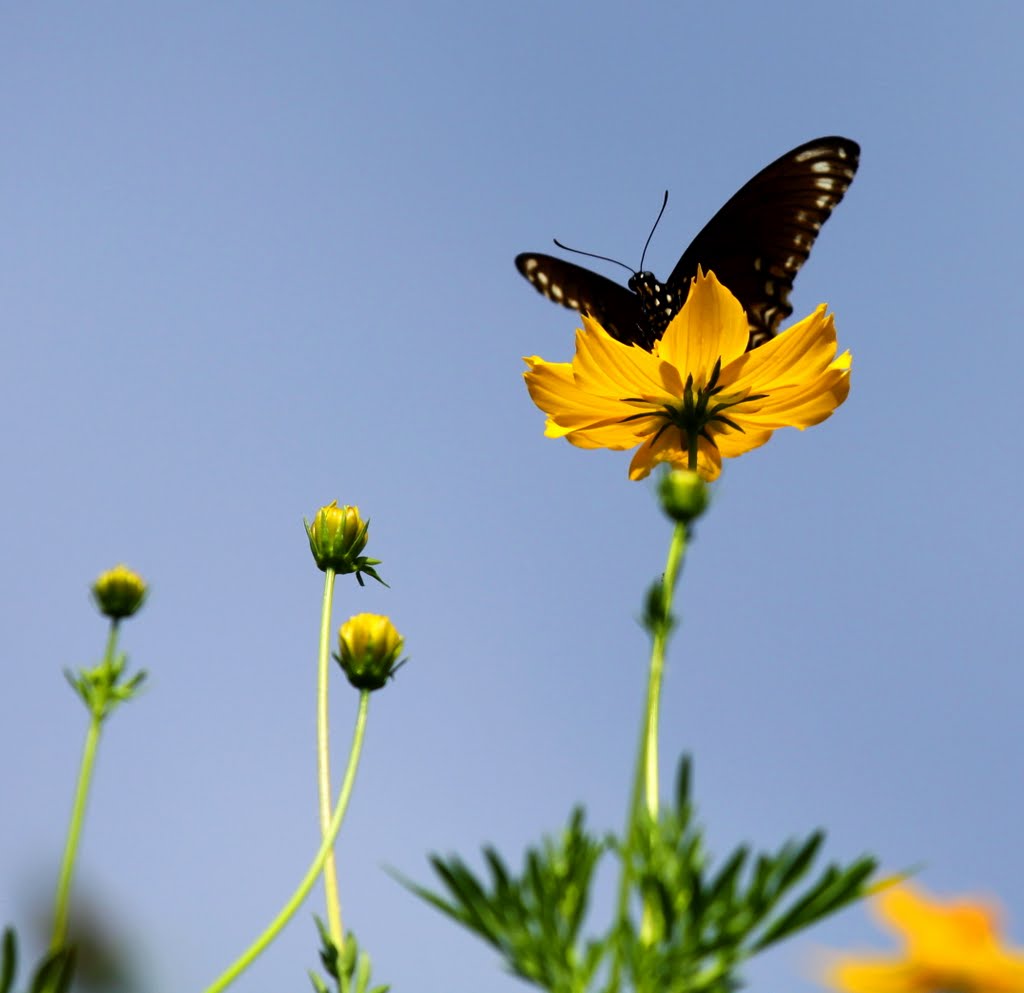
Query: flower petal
point(951, 945)
point(732, 443)
point(572, 409)
point(799, 353)
point(668, 447)
point(710, 326)
point(614, 369)
point(554, 389)
point(796, 406)
point(874, 976)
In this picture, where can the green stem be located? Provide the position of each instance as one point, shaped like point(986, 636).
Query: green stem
point(67, 866)
point(60, 913)
point(645, 778)
point(302, 891)
point(323, 762)
point(657, 668)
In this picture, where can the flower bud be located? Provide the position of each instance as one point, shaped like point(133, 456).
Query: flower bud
point(336, 537)
point(684, 495)
point(119, 592)
point(368, 650)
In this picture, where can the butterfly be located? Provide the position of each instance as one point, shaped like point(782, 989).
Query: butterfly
point(755, 245)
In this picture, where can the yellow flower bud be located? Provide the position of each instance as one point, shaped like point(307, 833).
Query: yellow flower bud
point(119, 592)
point(684, 495)
point(337, 536)
point(368, 650)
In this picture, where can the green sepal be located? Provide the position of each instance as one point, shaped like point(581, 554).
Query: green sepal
point(365, 567)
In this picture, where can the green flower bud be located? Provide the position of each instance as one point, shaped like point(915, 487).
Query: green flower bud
point(337, 536)
point(368, 650)
point(119, 592)
point(684, 495)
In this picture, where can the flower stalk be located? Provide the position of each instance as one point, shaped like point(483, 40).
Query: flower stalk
point(85, 769)
point(323, 762)
point(316, 867)
point(117, 593)
point(661, 627)
point(646, 782)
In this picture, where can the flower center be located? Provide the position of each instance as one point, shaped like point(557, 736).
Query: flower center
point(700, 410)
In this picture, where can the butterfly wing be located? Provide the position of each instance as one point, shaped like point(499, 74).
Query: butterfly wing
point(617, 309)
point(757, 242)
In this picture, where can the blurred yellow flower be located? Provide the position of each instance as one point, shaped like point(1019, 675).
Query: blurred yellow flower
point(951, 947)
point(699, 395)
point(119, 592)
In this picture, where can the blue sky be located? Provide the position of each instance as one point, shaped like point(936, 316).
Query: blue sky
point(256, 257)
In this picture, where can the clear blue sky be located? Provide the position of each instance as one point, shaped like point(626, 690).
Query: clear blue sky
point(255, 257)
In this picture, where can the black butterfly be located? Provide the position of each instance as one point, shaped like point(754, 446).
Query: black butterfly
point(755, 245)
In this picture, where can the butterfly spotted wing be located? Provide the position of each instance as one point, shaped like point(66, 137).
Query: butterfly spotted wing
point(755, 245)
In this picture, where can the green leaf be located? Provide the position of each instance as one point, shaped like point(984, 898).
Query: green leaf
point(722, 888)
point(793, 865)
point(9, 961)
point(683, 781)
point(499, 872)
point(362, 973)
point(55, 972)
point(328, 950)
point(834, 890)
point(471, 908)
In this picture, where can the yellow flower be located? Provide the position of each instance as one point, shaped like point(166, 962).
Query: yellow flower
point(368, 650)
point(337, 536)
point(119, 592)
point(699, 395)
point(951, 947)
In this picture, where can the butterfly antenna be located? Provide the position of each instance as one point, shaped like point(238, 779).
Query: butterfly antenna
point(664, 204)
point(591, 255)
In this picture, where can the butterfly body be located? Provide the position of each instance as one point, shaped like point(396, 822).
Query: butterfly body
point(658, 304)
point(755, 245)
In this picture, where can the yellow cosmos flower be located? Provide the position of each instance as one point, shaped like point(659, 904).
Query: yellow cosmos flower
point(337, 536)
point(699, 396)
point(119, 592)
point(368, 650)
point(951, 947)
